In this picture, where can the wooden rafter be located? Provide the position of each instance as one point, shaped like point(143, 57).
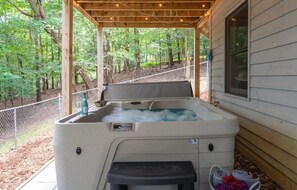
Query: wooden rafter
point(145, 19)
point(145, 6)
point(144, 13)
point(146, 25)
point(162, 13)
point(144, 1)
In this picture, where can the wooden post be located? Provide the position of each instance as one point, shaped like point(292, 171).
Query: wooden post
point(67, 39)
point(197, 63)
point(100, 70)
point(210, 61)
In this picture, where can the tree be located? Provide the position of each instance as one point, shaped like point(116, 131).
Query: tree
point(109, 66)
point(170, 55)
point(137, 50)
point(127, 41)
point(37, 12)
point(30, 53)
point(187, 56)
point(178, 47)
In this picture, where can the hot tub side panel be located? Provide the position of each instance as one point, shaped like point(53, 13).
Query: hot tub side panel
point(96, 142)
point(80, 171)
point(192, 149)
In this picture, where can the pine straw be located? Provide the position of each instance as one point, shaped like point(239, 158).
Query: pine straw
point(18, 165)
point(242, 163)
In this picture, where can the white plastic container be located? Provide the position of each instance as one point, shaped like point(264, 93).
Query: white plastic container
point(213, 180)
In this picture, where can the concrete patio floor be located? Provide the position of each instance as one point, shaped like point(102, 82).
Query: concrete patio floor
point(44, 179)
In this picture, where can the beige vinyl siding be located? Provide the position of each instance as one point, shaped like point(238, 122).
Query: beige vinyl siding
point(285, 68)
point(273, 57)
point(284, 22)
point(279, 39)
point(268, 117)
point(288, 83)
point(272, 96)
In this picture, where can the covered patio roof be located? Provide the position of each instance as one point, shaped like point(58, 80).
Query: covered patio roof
point(130, 14)
point(144, 13)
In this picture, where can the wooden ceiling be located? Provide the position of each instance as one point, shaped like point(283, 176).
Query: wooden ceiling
point(144, 13)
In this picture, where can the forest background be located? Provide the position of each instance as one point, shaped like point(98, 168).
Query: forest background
point(30, 49)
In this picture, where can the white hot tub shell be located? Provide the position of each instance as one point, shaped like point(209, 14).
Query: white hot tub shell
point(204, 142)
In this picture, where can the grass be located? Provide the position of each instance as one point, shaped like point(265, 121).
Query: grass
point(150, 64)
point(23, 138)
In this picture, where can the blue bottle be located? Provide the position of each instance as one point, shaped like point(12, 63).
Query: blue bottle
point(84, 106)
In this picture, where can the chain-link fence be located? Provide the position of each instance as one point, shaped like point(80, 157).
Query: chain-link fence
point(183, 73)
point(20, 124)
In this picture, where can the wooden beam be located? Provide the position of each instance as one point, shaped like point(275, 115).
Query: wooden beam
point(162, 13)
point(85, 13)
point(144, 6)
point(197, 62)
point(148, 19)
point(203, 25)
point(210, 58)
point(67, 40)
point(144, 1)
point(147, 25)
point(100, 79)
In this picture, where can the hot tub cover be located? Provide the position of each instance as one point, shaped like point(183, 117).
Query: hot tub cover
point(147, 90)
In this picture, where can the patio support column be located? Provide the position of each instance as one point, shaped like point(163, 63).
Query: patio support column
point(100, 70)
point(67, 39)
point(197, 62)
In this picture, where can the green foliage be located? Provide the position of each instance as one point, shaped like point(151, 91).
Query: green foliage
point(29, 54)
point(150, 64)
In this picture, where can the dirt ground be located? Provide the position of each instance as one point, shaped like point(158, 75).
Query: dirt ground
point(242, 163)
point(18, 165)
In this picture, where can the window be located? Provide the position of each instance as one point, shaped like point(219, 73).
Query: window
point(236, 70)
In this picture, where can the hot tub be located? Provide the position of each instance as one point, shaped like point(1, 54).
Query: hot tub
point(85, 147)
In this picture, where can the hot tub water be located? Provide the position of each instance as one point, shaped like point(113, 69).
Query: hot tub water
point(140, 115)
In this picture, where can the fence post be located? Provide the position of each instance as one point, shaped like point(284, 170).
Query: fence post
point(15, 128)
point(59, 103)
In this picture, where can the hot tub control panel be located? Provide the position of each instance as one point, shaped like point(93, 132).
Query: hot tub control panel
point(122, 126)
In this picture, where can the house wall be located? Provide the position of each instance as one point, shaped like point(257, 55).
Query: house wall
point(268, 117)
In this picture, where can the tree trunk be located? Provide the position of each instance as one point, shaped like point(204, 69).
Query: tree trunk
point(85, 77)
point(109, 59)
point(37, 67)
point(58, 82)
point(53, 82)
point(115, 69)
point(187, 56)
point(42, 64)
point(119, 66)
point(76, 69)
point(46, 81)
point(53, 59)
point(127, 62)
point(160, 48)
point(21, 73)
point(170, 55)
point(75, 75)
point(178, 47)
point(137, 51)
point(45, 62)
